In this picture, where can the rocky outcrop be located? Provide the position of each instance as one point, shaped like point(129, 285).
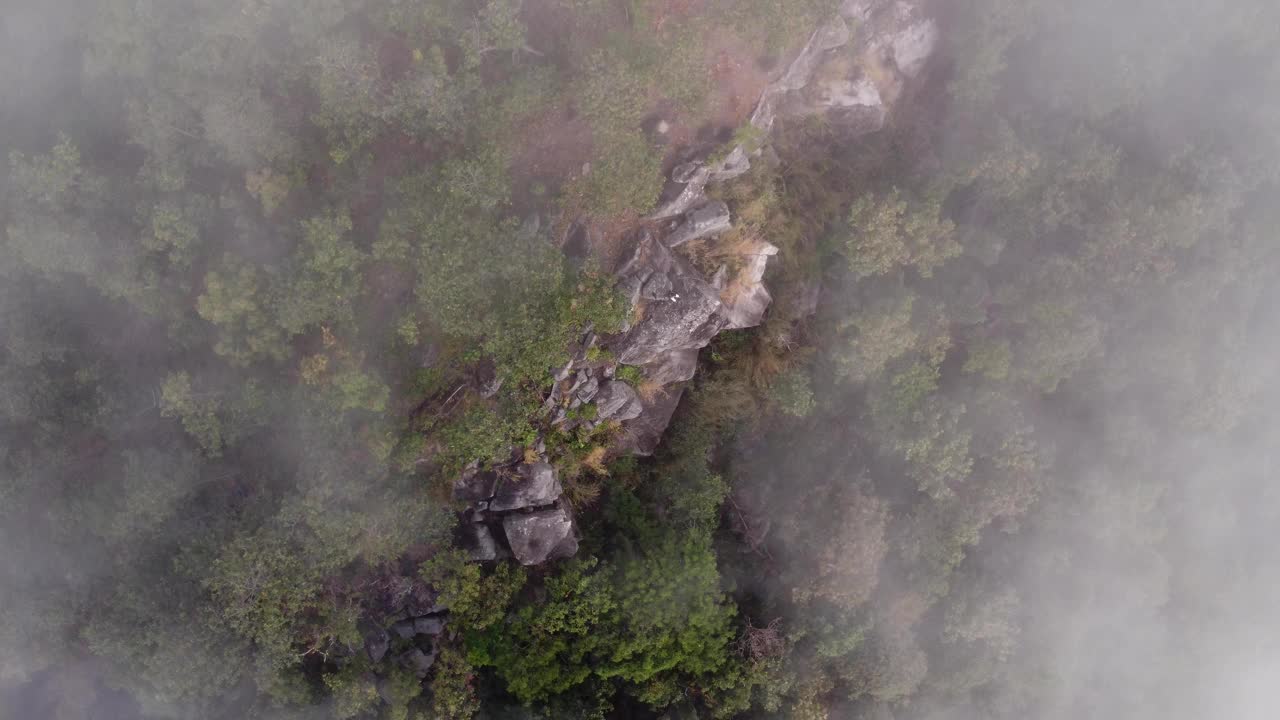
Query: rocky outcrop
point(474, 485)
point(518, 504)
point(479, 543)
point(678, 308)
point(852, 70)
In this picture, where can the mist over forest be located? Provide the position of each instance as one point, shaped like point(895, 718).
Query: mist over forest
point(639, 359)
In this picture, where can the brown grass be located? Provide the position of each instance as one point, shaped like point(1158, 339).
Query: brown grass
point(594, 460)
point(766, 363)
point(708, 254)
point(638, 311)
point(650, 390)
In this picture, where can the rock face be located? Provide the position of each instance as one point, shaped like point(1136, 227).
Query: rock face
point(617, 401)
point(534, 485)
point(541, 536)
point(707, 221)
point(642, 435)
point(853, 83)
point(746, 297)
point(681, 310)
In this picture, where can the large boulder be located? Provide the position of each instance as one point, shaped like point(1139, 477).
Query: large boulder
point(540, 536)
point(673, 367)
point(746, 298)
point(641, 435)
point(680, 309)
point(707, 221)
point(534, 485)
point(691, 178)
point(617, 401)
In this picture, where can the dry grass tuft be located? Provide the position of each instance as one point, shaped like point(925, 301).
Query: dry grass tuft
point(583, 490)
point(650, 390)
point(594, 460)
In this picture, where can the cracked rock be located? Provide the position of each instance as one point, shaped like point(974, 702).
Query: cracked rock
point(540, 536)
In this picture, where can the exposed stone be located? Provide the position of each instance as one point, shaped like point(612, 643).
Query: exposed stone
point(673, 367)
point(474, 485)
point(857, 10)
point(641, 435)
point(748, 298)
point(430, 625)
point(617, 401)
point(536, 484)
point(914, 44)
point(829, 36)
point(707, 221)
point(693, 177)
point(681, 309)
point(564, 373)
point(587, 392)
point(403, 629)
point(530, 227)
point(491, 387)
point(419, 599)
point(735, 163)
point(540, 536)
point(376, 643)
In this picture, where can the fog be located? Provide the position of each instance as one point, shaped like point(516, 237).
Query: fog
point(1104, 549)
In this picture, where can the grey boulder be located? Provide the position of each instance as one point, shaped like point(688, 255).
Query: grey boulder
point(617, 401)
point(707, 221)
point(536, 484)
point(681, 309)
point(540, 536)
point(748, 300)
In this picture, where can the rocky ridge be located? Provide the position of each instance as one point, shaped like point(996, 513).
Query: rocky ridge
point(516, 510)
